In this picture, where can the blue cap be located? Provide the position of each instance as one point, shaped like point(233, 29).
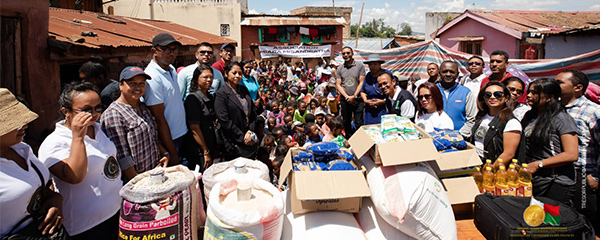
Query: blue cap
point(226, 45)
point(132, 71)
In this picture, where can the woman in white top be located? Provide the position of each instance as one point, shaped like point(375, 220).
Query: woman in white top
point(430, 109)
point(19, 177)
point(82, 159)
point(517, 88)
point(496, 132)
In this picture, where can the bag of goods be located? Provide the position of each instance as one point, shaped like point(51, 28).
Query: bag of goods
point(374, 133)
point(374, 226)
point(244, 209)
point(410, 198)
point(323, 150)
point(234, 169)
point(319, 225)
point(160, 204)
point(407, 128)
point(325, 156)
point(446, 140)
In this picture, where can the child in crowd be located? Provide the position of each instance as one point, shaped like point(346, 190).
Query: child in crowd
point(275, 174)
point(323, 106)
point(320, 118)
point(300, 138)
point(309, 118)
point(271, 124)
point(276, 113)
point(325, 127)
point(335, 134)
point(300, 113)
point(312, 131)
point(288, 121)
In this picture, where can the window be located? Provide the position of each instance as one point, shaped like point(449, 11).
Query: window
point(472, 47)
point(273, 36)
point(225, 29)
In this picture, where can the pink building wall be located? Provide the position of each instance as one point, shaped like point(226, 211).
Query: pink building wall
point(493, 39)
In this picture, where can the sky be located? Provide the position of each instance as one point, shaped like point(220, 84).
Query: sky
point(395, 12)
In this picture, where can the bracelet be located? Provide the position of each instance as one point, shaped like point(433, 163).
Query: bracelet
point(165, 154)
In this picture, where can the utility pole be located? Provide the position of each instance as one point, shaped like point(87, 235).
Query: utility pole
point(359, 22)
point(151, 5)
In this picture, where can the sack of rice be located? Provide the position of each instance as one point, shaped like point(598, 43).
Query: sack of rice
point(412, 199)
point(374, 227)
point(234, 169)
point(319, 225)
point(244, 209)
point(160, 204)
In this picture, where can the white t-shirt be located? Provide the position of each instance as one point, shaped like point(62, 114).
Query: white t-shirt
point(520, 110)
point(17, 187)
point(512, 125)
point(429, 121)
point(96, 198)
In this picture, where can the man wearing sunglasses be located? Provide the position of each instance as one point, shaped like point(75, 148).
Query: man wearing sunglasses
point(573, 84)
point(476, 76)
point(227, 53)
point(459, 103)
point(204, 55)
point(163, 95)
point(398, 101)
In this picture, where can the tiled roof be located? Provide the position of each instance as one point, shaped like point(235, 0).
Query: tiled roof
point(117, 31)
point(290, 20)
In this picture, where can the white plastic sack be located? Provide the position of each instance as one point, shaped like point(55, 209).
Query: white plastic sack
point(374, 227)
point(324, 225)
point(252, 219)
point(412, 199)
point(226, 171)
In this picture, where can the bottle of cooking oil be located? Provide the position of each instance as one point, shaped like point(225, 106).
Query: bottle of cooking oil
point(497, 165)
point(501, 181)
point(525, 188)
point(488, 181)
point(515, 163)
point(478, 176)
point(513, 180)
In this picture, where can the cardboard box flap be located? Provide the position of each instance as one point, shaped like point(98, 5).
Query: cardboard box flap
point(286, 168)
point(412, 151)
point(360, 142)
point(461, 190)
point(314, 185)
point(459, 159)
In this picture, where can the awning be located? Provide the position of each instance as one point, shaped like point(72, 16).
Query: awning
point(467, 38)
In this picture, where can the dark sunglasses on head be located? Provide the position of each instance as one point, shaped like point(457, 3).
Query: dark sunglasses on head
point(206, 52)
point(91, 110)
point(475, 63)
point(512, 89)
point(496, 94)
point(426, 96)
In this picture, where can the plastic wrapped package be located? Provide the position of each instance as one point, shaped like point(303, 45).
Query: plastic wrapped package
point(246, 168)
point(411, 199)
point(161, 203)
point(319, 225)
point(375, 227)
point(244, 210)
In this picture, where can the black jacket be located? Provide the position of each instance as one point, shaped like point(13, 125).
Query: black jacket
point(230, 114)
point(493, 142)
point(393, 106)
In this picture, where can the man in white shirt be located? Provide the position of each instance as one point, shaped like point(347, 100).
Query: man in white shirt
point(399, 101)
point(473, 80)
point(204, 55)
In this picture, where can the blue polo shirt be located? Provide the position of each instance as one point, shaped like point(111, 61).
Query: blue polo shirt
point(163, 88)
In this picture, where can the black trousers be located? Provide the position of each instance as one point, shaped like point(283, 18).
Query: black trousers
point(586, 199)
point(108, 229)
point(352, 112)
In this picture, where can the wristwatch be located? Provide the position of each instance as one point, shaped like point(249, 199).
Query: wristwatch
point(540, 164)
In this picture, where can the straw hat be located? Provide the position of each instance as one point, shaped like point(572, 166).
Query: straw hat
point(13, 114)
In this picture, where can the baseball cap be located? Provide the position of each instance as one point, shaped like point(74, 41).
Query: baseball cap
point(400, 77)
point(164, 39)
point(331, 83)
point(132, 71)
point(227, 45)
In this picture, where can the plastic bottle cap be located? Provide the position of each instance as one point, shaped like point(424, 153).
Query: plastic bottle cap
point(240, 166)
point(500, 160)
point(515, 160)
point(511, 166)
point(524, 165)
point(478, 169)
point(488, 160)
point(488, 168)
point(502, 168)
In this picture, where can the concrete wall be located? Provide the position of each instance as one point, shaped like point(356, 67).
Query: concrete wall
point(571, 45)
point(40, 75)
point(435, 20)
point(203, 16)
point(494, 39)
point(250, 36)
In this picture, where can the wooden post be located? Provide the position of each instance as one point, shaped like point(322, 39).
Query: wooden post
point(359, 22)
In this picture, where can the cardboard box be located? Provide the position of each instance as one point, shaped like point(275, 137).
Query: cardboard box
point(324, 190)
point(394, 153)
point(454, 163)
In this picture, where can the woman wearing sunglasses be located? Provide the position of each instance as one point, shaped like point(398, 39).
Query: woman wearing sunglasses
point(82, 159)
point(550, 144)
point(430, 109)
point(517, 87)
point(497, 132)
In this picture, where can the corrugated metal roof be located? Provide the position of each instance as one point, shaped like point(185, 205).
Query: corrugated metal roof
point(541, 21)
point(369, 44)
point(67, 25)
point(290, 20)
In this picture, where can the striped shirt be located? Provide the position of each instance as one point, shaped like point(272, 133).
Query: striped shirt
point(586, 115)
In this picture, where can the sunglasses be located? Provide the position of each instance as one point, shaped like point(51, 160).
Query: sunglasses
point(496, 61)
point(475, 63)
point(91, 110)
point(205, 52)
point(426, 96)
point(512, 89)
point(169, 50)
point(496, 94)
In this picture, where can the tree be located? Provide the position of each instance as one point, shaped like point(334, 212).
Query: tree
point(374, 28)
point(406, 29)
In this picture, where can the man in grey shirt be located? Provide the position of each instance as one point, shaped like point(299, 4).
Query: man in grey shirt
point(349, 81)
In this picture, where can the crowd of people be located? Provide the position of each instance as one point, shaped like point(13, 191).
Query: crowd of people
point(206, 112)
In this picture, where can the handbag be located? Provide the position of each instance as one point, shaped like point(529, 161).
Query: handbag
point(558, 187)
point(31, 232)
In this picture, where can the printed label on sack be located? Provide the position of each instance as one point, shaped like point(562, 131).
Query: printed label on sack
point(215, 231)
point(166, 218)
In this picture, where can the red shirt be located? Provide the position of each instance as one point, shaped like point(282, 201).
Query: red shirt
point(523, 97)
point(220, 65)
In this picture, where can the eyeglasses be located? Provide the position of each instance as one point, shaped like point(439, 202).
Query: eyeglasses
point(205, 52)
point(496, 61)
point(496, 94)
point(168, 50)
point(91, 110)
point(475, 63)
point(426, 96)
point(512, 89)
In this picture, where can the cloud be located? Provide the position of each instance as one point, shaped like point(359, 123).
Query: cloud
point(595, 7)
point(387, 5)
point(278, 11)
point(253, 11)
point(518, 4)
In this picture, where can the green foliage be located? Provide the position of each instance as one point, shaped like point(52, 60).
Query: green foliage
point(375, 28)
point(406, 29)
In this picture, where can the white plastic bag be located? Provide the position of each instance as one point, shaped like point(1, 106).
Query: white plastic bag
point(324, 225)
point(251, 219)
point(412, 199)
point(226, 171)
